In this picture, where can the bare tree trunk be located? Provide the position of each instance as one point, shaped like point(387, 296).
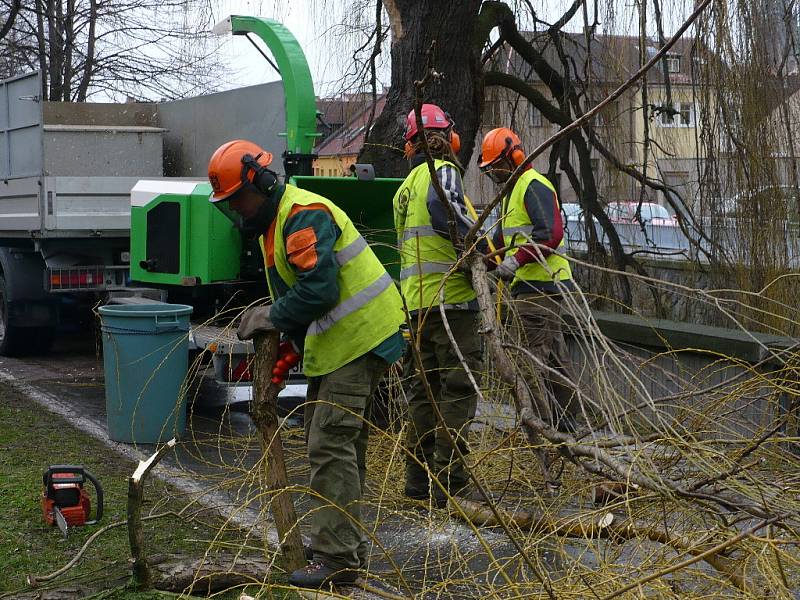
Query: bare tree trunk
point(459, 89)
point(88, 66)
point(55, 47)
point(41, 47)
point(69, 42)
point(12, 17)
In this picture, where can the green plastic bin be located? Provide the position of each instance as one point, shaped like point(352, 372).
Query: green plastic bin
point(145, 357)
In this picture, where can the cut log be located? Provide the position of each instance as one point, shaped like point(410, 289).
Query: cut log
point(265, 416)
point(206, 575)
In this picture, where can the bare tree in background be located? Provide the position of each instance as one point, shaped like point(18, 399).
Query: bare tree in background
point(119, 48)
point(9, 14)
point(732, 78)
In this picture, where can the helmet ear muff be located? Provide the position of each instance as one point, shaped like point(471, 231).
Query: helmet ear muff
point(454, 138)
point(517, 155)
point(263, 178)
point(455, 141)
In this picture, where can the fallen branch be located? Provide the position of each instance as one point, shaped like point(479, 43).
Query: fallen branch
point(265, 416)
point(711, 552)
point(609, 526)
point(36, 580)
point(208, 574)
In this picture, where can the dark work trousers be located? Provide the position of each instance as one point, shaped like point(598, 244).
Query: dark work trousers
point(336, 412)
point(455, 397)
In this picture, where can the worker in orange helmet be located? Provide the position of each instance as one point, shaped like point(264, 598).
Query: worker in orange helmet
point(333, 298)
point(532, 232)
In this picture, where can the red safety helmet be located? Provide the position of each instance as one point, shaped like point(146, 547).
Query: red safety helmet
point(499, 143)
point(432, 117)
point(233, 164)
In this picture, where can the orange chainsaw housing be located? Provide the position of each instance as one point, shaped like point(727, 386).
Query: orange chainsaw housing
point(71, 499)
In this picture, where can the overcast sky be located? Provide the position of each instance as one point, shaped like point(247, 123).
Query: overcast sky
point(311, 20)
point(251, 68)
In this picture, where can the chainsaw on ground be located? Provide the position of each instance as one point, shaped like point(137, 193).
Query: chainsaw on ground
point(65, 501)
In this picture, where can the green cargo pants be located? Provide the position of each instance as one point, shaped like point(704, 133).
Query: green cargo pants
point(537, 327)
point(455, 397)
point(337, 405)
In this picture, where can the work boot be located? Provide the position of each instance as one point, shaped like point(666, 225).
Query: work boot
point(417, 483)
point(316, 575)
point(466, 492)
point(567, 423)
point(415, 491)
point(438, 497)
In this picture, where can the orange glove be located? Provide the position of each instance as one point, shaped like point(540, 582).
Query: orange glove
point(287, 359)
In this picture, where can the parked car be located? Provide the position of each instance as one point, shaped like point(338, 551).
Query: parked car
point(651, 213)
point(572, 211)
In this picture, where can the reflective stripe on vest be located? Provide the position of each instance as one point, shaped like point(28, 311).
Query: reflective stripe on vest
point(410, 233)
point(352, 304)
point(369, 309)
point(350, 251)
point(518, 228)
point(424, 269)
point(524, 229)
point(426, 258)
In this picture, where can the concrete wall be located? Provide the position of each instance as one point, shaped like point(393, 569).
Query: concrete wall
point(198, 126)
point(663, 358)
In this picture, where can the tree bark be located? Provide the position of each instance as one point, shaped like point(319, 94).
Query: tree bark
point(88, 66)
point(141, 570)
point(265, 416)
point(459, 89)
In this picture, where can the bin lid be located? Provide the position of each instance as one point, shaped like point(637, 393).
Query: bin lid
point(145, 310)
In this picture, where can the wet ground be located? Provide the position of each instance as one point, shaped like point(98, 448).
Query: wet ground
point(215, 465)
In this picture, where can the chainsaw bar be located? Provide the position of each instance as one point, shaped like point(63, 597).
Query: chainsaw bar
point(60, 521)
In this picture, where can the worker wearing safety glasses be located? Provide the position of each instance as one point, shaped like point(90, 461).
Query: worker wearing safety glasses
point(531, 230)
point(334, 299)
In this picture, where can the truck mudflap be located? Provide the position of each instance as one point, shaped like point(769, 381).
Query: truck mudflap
point(87, 278)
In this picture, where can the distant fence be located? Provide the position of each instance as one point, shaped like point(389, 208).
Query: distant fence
point(670, 241)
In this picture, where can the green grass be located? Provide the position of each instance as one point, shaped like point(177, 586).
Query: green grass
point(32, 438)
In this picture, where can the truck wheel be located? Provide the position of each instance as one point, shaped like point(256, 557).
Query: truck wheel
point(16, 341)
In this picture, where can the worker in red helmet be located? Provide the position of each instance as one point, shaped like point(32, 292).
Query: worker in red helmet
point(427, 279)
point(334, 299)
point(532, 232)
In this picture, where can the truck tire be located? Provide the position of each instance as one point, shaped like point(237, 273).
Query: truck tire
point(20, 341)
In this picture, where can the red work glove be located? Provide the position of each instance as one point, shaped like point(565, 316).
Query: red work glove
point(287, 359)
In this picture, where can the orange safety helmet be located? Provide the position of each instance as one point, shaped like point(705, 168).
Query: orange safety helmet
point(234, 164)
point(498, 143)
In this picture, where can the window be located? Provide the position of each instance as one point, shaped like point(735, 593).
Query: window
point(534, 116)
point(680, 114)
point(673, 63)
